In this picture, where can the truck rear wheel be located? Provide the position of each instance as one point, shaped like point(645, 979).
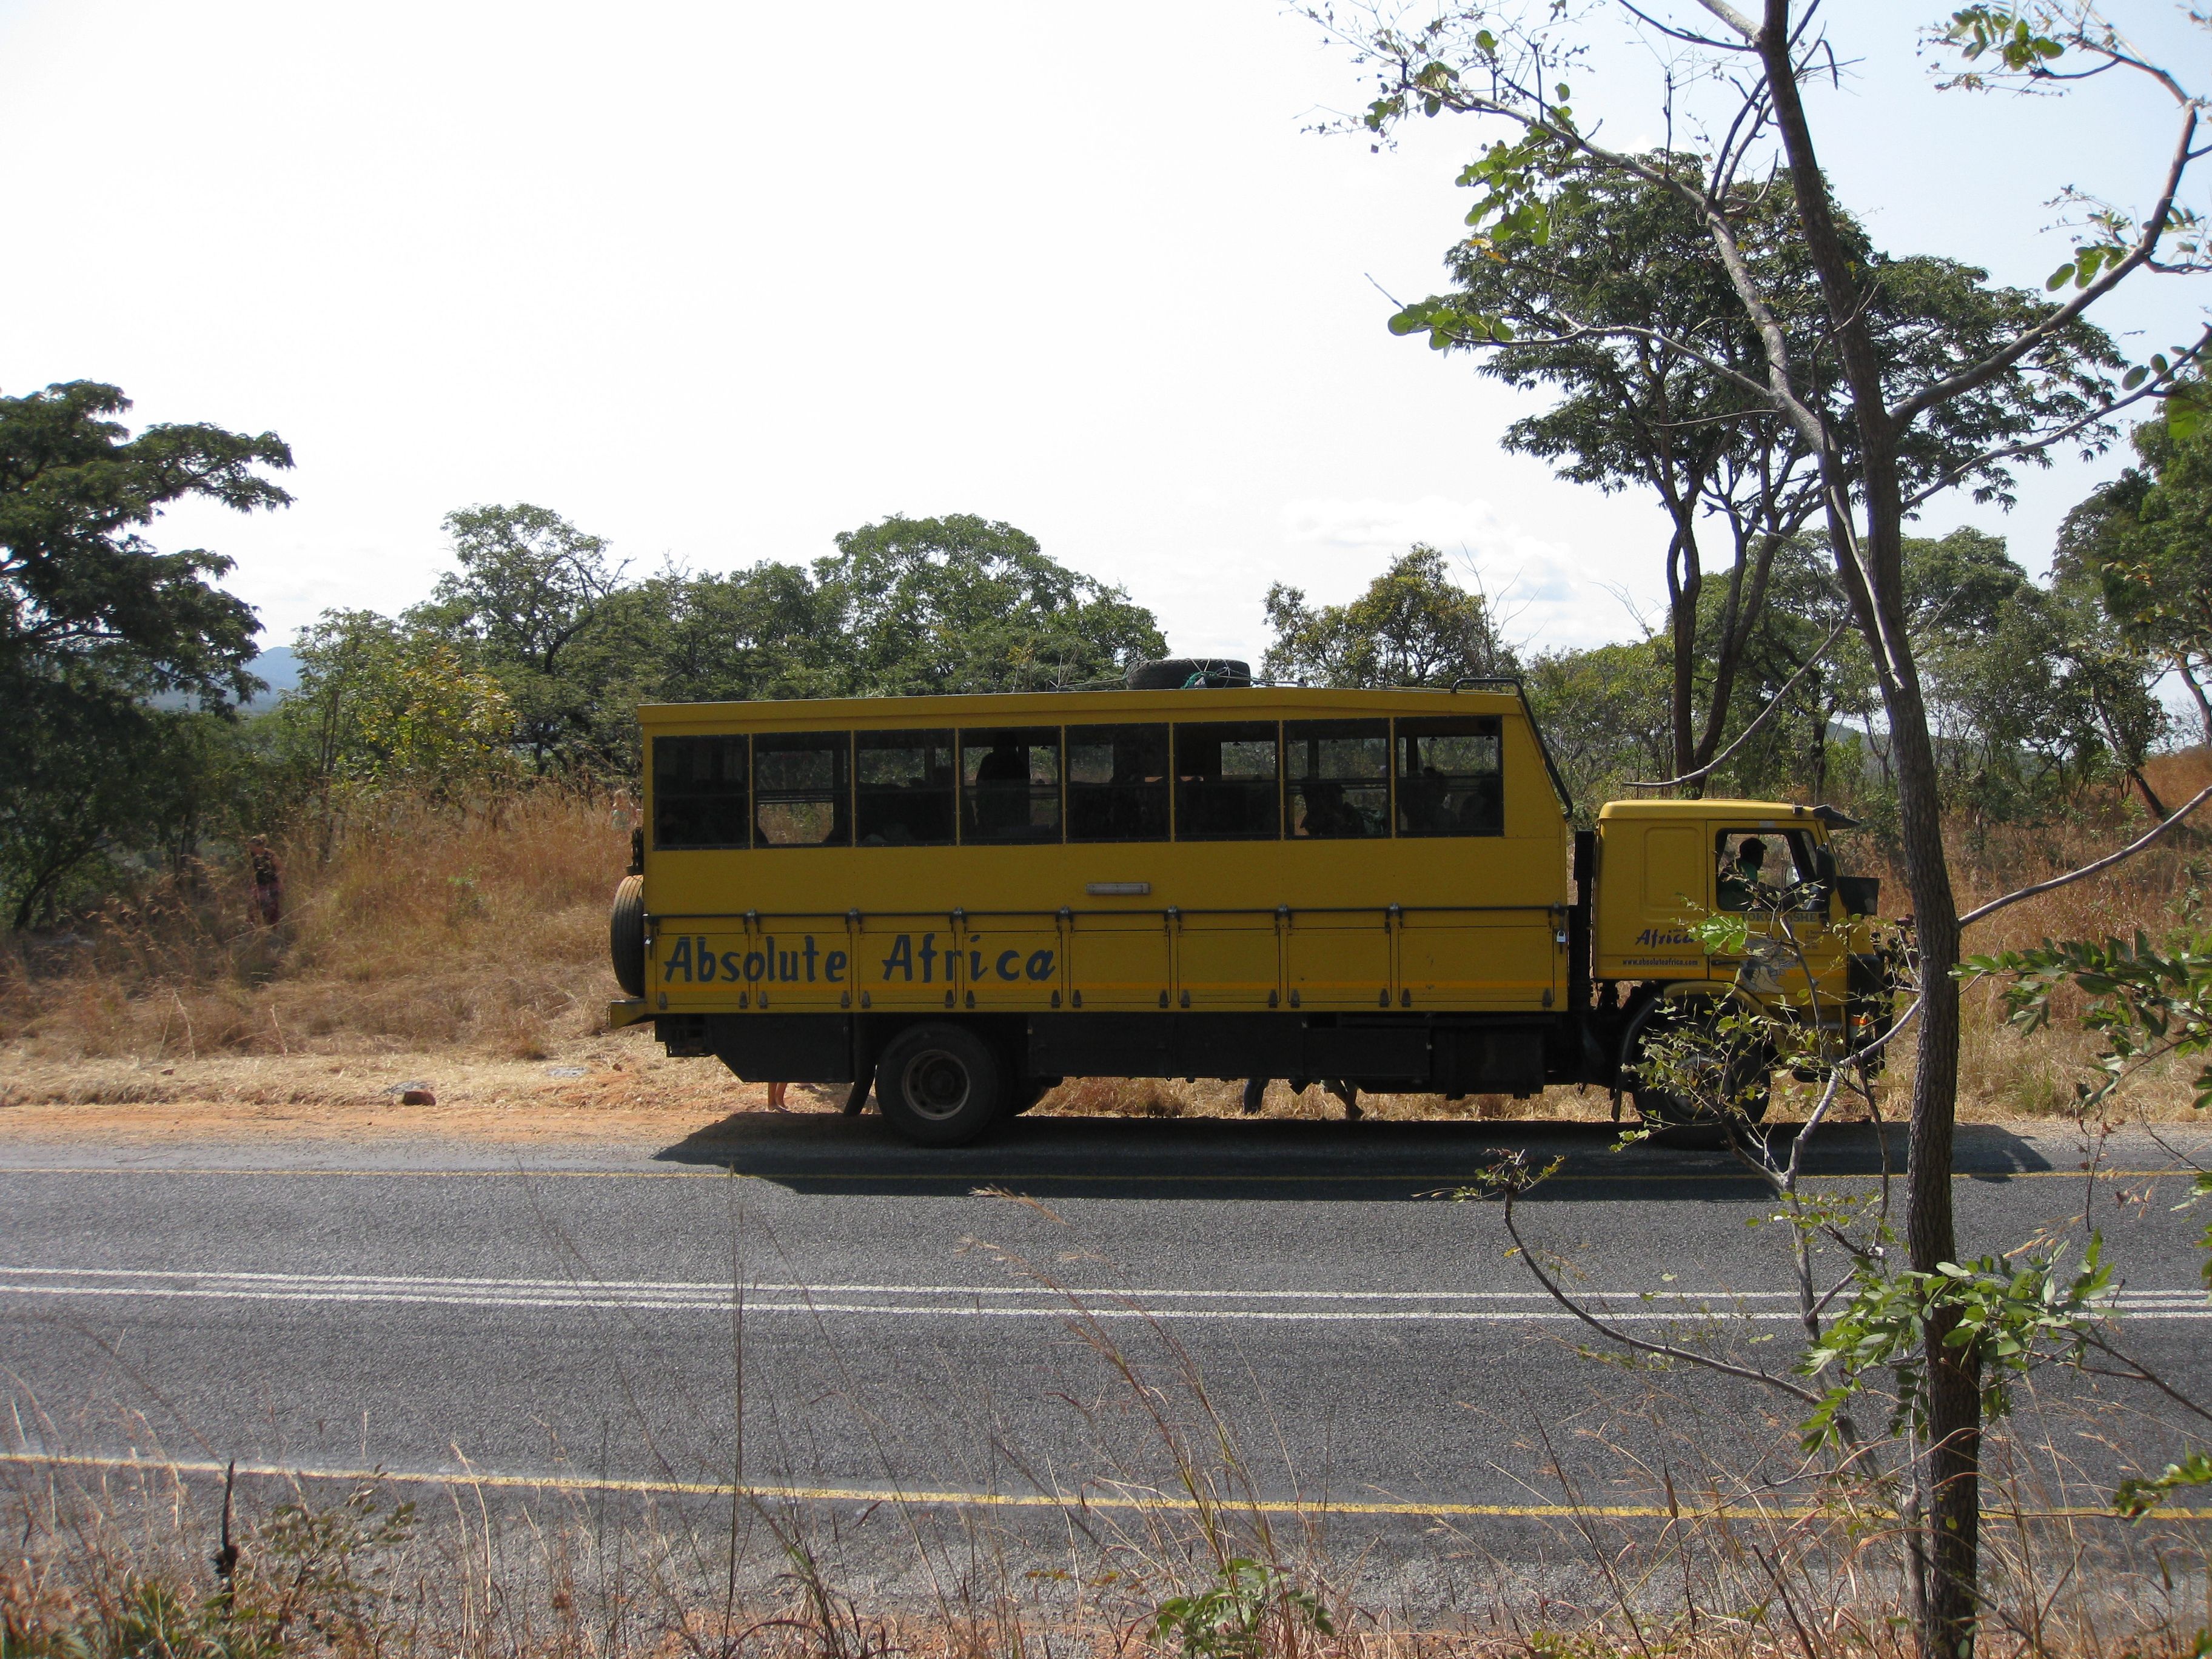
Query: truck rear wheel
point(626, 935)
point(939, 1085)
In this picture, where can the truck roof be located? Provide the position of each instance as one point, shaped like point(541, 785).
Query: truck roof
point(1007, 707)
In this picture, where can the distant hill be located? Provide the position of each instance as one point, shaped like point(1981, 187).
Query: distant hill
point(281, 669)
point(278, 667)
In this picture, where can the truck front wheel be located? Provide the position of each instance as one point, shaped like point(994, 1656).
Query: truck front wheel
point(939, 1085)
point(1719, 1074)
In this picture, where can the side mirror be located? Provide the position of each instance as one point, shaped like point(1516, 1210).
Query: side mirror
point(1861, 895)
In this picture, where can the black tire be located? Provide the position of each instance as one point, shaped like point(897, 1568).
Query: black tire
point(939, 1085)
point(1743, 1073)
point(626, 935)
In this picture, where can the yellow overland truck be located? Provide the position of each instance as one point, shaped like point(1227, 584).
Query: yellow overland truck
point(957, 901)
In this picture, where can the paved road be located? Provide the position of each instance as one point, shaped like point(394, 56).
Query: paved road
point(956, 1323)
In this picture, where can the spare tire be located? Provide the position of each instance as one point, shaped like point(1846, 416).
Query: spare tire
point(626, 935)
point(1177, 673)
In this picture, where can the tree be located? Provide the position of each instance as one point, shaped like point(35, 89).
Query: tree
point(766, 632)
point(1633, 414)
point(93, 619)
point(1604, 714)
point(531, 589)
point(966, 604)
point(382, 705)
point(1414, 626)
point(2145, 540)
point(1843, 393)
point(1622, 264)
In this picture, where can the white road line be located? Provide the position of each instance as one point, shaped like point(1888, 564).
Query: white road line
point(986, 1302)
point(721, 1289)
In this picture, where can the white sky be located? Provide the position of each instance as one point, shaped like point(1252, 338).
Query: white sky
point(718, 280)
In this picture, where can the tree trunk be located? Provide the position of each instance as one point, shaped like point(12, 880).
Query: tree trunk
point(1684, 581)
point(2188, 679)
point(1740, 614)
point(1872, 574)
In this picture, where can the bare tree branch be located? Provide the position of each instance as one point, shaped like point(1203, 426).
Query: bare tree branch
point(1663, 1350)
point(1734, 19)
point(1996, 362)
point(2088, 870)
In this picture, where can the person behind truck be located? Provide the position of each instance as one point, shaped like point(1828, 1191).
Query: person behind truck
point(268, 882)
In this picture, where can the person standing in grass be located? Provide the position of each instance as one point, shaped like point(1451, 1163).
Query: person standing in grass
point(776, 1097)
point(268, 882)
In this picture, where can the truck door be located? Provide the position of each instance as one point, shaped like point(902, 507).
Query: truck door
point(1654, 878)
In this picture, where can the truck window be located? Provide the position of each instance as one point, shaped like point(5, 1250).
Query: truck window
point(902, 788)
point(1764, 870)
point(1117, 783)
point(1337, 779)
point(698, 792)
point(1450, 777)
point(1010, 784)
point(802, 789)
point(1226, 782)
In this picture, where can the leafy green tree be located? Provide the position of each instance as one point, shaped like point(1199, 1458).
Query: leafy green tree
point(766, 632)
point(381, 704)
point(1623, 262)
point(94, 620)
point(1631, 414)
point(966, 604)
point(1605, 715)
point(530, 592)
point(1414, 626)
point(2145, 539)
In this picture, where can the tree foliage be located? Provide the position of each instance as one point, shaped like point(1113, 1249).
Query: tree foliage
point(381, 705)
point(966, 604)
point(94, 620)
point(1622, 264)
point(2145, 539)
point(1414, 626)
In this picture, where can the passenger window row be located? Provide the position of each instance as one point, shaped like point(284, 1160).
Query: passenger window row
point(1007, 786)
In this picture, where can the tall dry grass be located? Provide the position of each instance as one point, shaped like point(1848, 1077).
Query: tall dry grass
point(419, 927)
point(483, 932)
point(2159, 891)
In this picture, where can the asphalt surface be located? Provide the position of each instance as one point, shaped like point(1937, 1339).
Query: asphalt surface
point(1080, 1309)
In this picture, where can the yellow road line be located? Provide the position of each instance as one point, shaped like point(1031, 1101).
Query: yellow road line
point(1154, 1502)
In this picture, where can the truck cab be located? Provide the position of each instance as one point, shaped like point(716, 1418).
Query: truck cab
point(1662, 867)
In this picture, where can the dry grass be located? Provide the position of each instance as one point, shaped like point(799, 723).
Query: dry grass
point(433, 944)
point(2002, 1073)
point(483, 932)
